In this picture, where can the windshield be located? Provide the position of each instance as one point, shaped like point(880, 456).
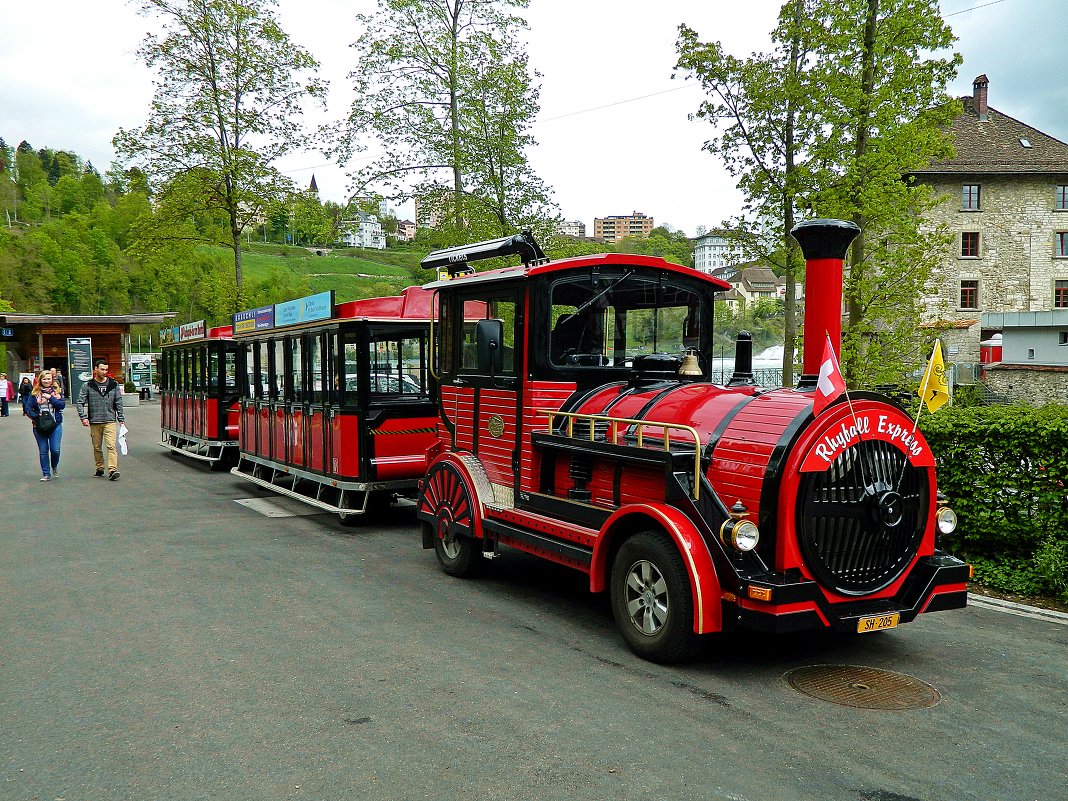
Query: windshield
point(606, 321)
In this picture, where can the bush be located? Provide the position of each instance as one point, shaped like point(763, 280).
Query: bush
point(1005, 470)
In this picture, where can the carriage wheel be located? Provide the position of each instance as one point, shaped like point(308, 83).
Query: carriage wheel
point(447, 500)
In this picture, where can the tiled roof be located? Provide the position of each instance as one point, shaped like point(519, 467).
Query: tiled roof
point(993, 146)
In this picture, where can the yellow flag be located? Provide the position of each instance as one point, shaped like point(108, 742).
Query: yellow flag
point(934, 388)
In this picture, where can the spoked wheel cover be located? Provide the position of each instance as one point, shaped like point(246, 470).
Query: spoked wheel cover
point(647, 597)
point(446, 501)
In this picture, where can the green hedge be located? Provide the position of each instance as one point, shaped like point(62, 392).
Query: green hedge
point(1005, 470)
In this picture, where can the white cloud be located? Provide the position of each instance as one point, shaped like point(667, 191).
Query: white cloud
point(71, 80)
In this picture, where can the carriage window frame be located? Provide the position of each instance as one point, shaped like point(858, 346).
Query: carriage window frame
point(295, 369)
point(404, 375)
point(317, 379)
point(464, 346)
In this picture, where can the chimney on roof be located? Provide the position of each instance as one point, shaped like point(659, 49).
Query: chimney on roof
point(979, 86)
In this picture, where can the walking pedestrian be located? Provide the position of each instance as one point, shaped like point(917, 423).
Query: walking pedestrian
point(100, 409)
point(60, 381)
point(7, 394)
point(44, 407)
point(25, 388)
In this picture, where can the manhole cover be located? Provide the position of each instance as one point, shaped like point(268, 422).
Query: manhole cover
point(862, 687)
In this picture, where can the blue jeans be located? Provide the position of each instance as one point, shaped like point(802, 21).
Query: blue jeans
point(49, 449)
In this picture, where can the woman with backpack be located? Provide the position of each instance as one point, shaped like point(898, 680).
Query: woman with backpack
point(44, 407)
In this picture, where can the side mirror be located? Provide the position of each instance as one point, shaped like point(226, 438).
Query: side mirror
point(489, 335)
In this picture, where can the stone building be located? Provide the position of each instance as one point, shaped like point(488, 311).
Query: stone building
point(1005, 201)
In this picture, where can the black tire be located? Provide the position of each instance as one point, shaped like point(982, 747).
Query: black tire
point(447, 501)
point(652, 600)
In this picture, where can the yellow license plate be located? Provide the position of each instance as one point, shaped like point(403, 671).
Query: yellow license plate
point(877, 623)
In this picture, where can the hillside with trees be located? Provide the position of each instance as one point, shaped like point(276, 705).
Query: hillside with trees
point(74, 241)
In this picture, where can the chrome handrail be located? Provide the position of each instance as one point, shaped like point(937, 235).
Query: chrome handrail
point(639, 425)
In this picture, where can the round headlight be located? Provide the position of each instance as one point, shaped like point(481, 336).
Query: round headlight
point(745, 535)
point(947, 520)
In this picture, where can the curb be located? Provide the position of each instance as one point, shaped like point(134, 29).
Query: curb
point(1020, 610)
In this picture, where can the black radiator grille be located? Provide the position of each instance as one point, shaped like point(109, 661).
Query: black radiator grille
point(861, 521)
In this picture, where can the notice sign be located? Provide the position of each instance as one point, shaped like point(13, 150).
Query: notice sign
point(79, 364)
point(885, 424)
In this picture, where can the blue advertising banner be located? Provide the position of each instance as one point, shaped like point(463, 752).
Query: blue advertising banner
point(254, 320)
point(305, 310)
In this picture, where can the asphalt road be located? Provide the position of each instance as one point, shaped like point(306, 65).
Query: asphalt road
point(160, 641)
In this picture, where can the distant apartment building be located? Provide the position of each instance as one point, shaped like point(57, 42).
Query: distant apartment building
point(364, 231)
point(575, 228)
point(405, 230)
point(614, 228)
point(715, 250)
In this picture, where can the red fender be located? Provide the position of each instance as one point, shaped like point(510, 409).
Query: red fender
point(704, 583)
point(476, 482)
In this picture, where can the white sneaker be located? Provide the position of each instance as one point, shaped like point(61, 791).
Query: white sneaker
point(46, 478)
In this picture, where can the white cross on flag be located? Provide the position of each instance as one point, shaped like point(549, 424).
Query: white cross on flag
point(830, 383)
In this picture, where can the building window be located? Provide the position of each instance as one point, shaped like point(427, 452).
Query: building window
point(1062, 198)
point(1030, 353)
point(969, 294)
point(970, 197)
point(1060, 294)
point(969, 244)
point(1062, 337)
point(1062, 243)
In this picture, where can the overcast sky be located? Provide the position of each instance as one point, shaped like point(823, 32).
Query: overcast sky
point(613, 131)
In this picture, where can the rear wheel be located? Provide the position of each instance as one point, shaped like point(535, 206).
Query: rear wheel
point(651, 599)
point(447, 500)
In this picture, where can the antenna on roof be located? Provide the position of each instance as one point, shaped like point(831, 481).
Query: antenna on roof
point(458, 259)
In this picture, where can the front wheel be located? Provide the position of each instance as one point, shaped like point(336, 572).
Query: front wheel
point(446, 500)
point(651, 599)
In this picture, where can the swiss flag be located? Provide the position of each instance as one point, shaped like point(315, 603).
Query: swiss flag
point(830, 383)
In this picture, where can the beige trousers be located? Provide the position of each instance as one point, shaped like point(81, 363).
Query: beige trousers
point(106, 434)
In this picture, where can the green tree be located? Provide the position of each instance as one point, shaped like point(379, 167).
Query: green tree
point(848, 102)
point(887, 118)
point(228, 98)
point(760, 111)
point(444, 88)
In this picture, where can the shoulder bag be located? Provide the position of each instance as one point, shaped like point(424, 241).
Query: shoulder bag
point(46, 422)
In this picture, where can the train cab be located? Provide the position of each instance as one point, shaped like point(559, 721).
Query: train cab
point(336, 409)
point(199, 375)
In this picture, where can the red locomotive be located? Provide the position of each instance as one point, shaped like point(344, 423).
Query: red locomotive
point(578, 422)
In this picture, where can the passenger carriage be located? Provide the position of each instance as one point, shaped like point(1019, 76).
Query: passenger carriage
point(336, 407)
point(199, 376)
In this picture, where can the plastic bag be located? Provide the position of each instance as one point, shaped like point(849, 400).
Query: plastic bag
point(123, 447)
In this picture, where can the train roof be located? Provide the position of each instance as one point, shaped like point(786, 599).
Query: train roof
point(535, 269)
point(414, 303)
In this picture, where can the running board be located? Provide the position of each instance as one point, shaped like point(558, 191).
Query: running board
point(344, 498)
point(204, 450)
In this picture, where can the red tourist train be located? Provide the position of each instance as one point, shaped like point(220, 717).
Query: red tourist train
point(566, 409)
point(328, 404)
point(578, 422)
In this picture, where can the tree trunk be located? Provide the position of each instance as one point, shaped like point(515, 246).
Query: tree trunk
point(790, 301)
point(857, 265)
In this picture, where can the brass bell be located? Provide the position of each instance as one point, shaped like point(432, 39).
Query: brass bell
point(690, 366)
